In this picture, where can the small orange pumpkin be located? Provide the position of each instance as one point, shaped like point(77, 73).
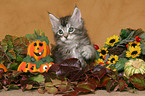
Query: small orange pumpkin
point(38, 50)
point(3, 67)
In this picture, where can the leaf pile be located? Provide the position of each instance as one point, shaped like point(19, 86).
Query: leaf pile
point(68, 77)
point(13, 49)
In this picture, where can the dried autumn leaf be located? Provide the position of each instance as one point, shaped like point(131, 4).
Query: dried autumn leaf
point(29, 86)
point(41, 90)
point(8, 87)
point(85, 87)
point(70, 68)
point(72, 93)
point(99, 71)
point(103, 82)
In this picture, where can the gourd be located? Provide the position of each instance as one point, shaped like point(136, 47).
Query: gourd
point(38, 57)
point(134, 66)
point(3, 67)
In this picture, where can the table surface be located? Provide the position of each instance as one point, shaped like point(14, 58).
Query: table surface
point(97, 93)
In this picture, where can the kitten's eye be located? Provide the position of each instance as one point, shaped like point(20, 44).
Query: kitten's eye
point(71, 29)
point(60, 32)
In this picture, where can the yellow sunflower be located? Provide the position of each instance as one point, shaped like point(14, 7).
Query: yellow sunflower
point(112, 40)
point(99, 61)
point(103, 52)
point(134, 43)
point(133, 52)
point(112, 59)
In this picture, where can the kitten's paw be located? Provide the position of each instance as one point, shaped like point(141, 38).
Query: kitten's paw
point(88, 52)
point(86, 55)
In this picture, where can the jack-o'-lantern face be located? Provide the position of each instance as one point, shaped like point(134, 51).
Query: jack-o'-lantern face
point(38, 50)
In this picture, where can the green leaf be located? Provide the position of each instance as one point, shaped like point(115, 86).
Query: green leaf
point(12, 55)
point(38, 78)
point(49, 84)
point(124, 33)
point(63, 88)
point(142, 36)
point(97, 54)
point(19, 59)
point(122, 84)
point(120, 64)
point(11, 86)
point(109, 85)
point(13, 65)
point(56, 82)
point(30, 36)
point(143, 48)
point(130, 35)
point(10, 44)
point(138, 81)
point(16, 73)
point(52, 90)
point(5, 48)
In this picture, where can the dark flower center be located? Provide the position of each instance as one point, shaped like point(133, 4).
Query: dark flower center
point(134, 44)
point(134, 53)
point(112, 60)
point(112, 41)
point(103, 52)
point(101, 57)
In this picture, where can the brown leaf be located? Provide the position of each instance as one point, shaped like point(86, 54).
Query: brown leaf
point(41, 91)
point(29, 86)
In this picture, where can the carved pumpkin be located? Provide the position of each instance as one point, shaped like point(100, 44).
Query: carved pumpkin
point(38, 50)
point(38, 58)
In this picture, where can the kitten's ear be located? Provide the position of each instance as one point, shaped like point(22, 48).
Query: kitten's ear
point(54, 20)
point(76, 16)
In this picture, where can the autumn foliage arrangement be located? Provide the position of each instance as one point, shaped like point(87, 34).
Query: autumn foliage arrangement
point(119, 66)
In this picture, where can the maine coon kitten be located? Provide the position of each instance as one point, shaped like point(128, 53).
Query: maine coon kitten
point(71, 38)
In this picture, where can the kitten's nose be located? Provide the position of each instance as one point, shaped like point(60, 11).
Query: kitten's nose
point(66, 37)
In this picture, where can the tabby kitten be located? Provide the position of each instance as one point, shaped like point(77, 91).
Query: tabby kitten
point(71, 38)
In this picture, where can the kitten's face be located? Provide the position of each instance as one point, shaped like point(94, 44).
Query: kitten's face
point(66, 34)
point(66, 28)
